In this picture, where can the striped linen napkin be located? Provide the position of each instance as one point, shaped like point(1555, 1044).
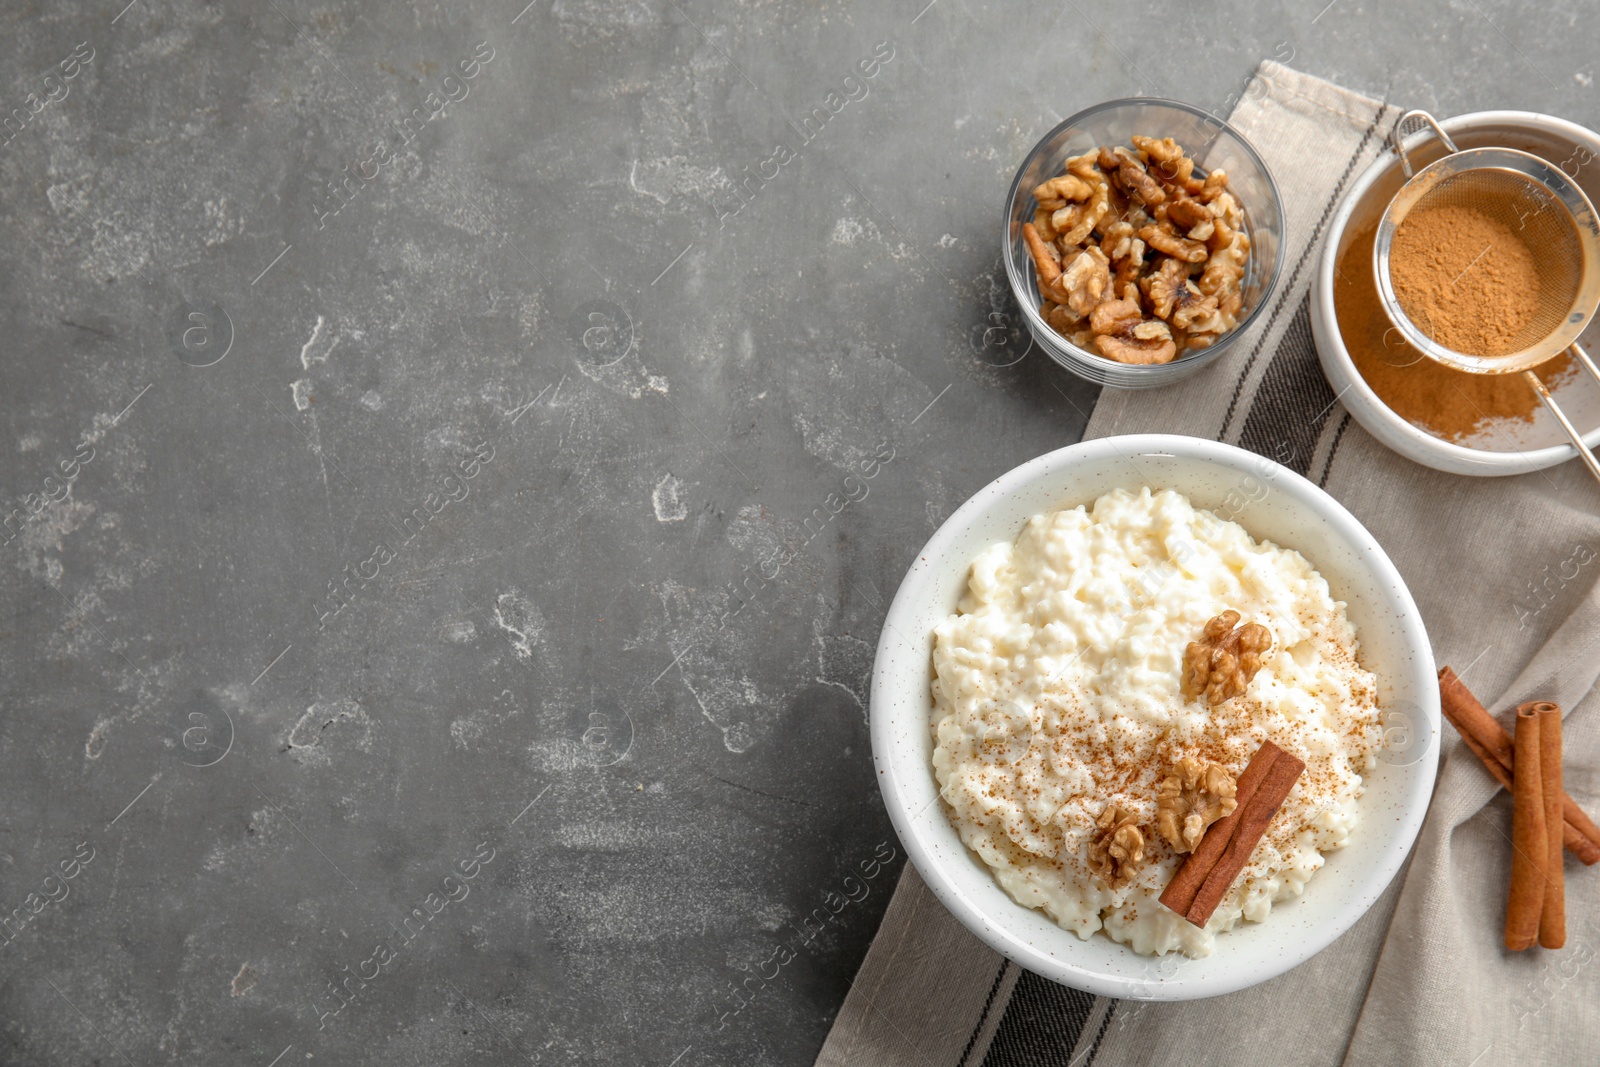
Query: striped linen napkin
point(1422, 978)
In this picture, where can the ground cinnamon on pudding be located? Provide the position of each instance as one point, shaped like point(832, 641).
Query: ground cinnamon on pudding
point(1448, 403)
point(1466, 278)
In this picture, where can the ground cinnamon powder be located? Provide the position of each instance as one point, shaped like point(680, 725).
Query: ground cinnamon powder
point(1468, 279)
point(1448, 403)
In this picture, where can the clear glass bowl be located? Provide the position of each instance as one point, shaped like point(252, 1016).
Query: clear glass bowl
point(1211, 143)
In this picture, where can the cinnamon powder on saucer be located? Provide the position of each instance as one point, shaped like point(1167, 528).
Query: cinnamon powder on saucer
point(1448, 403)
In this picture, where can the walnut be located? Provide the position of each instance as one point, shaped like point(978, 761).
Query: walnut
point(1120, 208)
point(1123, 333)
point(1186, 214)
point(1041, 225)
point(1062, 319)
point(1115, 316)
point(1162, 287)
point(1086, 167)
point(1064, 218)
point(1148, 342)
point(1220, 665)
point(1195, 312)
point(1165, 150)
point(1083, 338)
point(1139, 229)
point(1190, 799)
point(1132, 176)
point(1173, 245)
point(1085, 281)
point(1119, 231)
point(1228, 210)
point(1065, 187)
point(1224, 271)
point(1046, 259)
point(1087, 215)
point(1127, 255)
point(1222, 235)
point(1129, 261)
point(1117, 848)
point(1165, 159)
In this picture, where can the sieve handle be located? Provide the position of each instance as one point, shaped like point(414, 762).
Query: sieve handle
point(1395, 137)
point(1584, 453)
point(1583, 357)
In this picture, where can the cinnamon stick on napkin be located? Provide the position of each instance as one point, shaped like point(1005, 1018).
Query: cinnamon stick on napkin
point(1530, 854)
point(1553, 916)
point(1489, 742)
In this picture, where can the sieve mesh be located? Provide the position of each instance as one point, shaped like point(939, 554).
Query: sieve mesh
point(1539, 218)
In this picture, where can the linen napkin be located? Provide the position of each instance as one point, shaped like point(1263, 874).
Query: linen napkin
point(1422, 978)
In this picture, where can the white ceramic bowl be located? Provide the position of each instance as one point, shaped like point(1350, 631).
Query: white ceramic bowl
point(1516, 449)
point(1293, 513)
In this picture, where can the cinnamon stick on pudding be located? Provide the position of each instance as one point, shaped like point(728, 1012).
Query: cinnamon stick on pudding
point(1269, 796)
point(1180, 892)
point(1488, 741)
point(1530, 846)
point(1553, 916)
point(1208, 873)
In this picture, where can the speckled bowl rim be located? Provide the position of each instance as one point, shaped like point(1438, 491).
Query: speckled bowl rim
point(902, 743)
point(1359, 398)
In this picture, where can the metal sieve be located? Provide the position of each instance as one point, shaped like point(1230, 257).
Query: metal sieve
point(1555, 220)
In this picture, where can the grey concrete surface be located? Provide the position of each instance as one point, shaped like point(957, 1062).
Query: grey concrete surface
point(459, 457)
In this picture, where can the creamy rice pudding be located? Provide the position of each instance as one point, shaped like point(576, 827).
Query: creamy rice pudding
point(1059, 695)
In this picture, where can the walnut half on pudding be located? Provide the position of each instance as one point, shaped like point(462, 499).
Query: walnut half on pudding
point(1190, 799)
point(1219, 666)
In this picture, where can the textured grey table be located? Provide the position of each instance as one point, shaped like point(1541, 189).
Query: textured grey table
point(458, 458)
